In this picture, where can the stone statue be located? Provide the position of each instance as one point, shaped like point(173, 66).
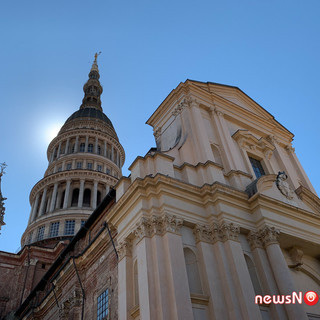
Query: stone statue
point(283, 185)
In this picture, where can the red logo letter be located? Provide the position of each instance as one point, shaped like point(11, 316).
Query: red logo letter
point(311, 298)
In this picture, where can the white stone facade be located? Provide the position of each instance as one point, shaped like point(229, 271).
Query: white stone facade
point(206, 222)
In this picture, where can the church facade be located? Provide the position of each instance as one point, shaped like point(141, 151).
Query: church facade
point(219, 221)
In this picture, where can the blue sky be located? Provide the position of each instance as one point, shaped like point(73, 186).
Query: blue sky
point(269, 49)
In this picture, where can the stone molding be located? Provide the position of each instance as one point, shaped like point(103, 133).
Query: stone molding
point(187, 102)
point(124, 249)
point(203, 233)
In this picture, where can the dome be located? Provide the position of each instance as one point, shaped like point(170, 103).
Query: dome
point(91, 113)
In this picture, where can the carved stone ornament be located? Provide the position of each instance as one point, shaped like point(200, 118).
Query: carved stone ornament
point(269, 235)
point(296, 255)
point(172, 224)
point(255, 240)
point(143, 228)
point(159, 225)
point(203, 233)
point(157, 132)
point(283, 185)
point(124, 249)
point(225, 231)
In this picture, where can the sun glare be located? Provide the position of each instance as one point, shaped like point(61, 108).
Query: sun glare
point(52, 131)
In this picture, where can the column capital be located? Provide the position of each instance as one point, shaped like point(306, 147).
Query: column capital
point(203, 233)
point(143, 228)
point(269, 235)
point(171, 223)
point(229, 231)
point(124, 249)
point(254, 240)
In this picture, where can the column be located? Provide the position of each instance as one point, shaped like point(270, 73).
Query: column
point(107, 189)
point(178, 287)
point(225, 273)
point(54, 197)
point(67, 146)
point(265, 274)
point(66, 195)
point(303, 175)
point(200, 136)
point(147, 292)
point(59, 149)
point(52, 154)
point(269, 236)
point(212, 280)
point(96, 146)
point(228, 233)
point(105, 148)
point(35, 207)
point(94, 197)
point(76, 145)
point(81, 190)
point(86, 144)
point(225, 140)
point(43, 201)
point(125, 280)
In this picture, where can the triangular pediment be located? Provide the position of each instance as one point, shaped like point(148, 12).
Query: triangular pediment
point(235, 96)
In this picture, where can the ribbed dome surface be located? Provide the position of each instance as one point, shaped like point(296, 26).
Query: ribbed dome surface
point(91, 113)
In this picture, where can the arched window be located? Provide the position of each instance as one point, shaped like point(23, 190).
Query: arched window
point(98, 197)
point(75, 197)
point(62, 199)
point(87, 198)
point(253, 275)
point(82, 147)
point(90, 147)
point(192, 271)
point(135, 284)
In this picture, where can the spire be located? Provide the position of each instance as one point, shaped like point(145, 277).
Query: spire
point(92, 88)
point(2, 208)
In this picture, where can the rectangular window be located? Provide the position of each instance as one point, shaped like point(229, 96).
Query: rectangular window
point(89, 165)
point(103, 305)
point(69, 227)
point(79, 165)
point(54, 229)
point(99, 167)
point(59, 169)
point(83, 222)
point(257, 167)
point(40, 233)
point(69, 165)
point(108, 171)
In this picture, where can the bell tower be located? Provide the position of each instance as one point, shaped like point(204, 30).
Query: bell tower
point(85, 160)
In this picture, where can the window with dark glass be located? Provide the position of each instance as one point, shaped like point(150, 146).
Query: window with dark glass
point(69, 227)
point(69, 166)
point(257, 167)
point(90, 147)
point(99, 167)
point(86, 198)
point(82, 147)
point(79, 165)
point(40, 233)
point(103, 305)
point(54, 229)
point(75, 197)
point(89, 165)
